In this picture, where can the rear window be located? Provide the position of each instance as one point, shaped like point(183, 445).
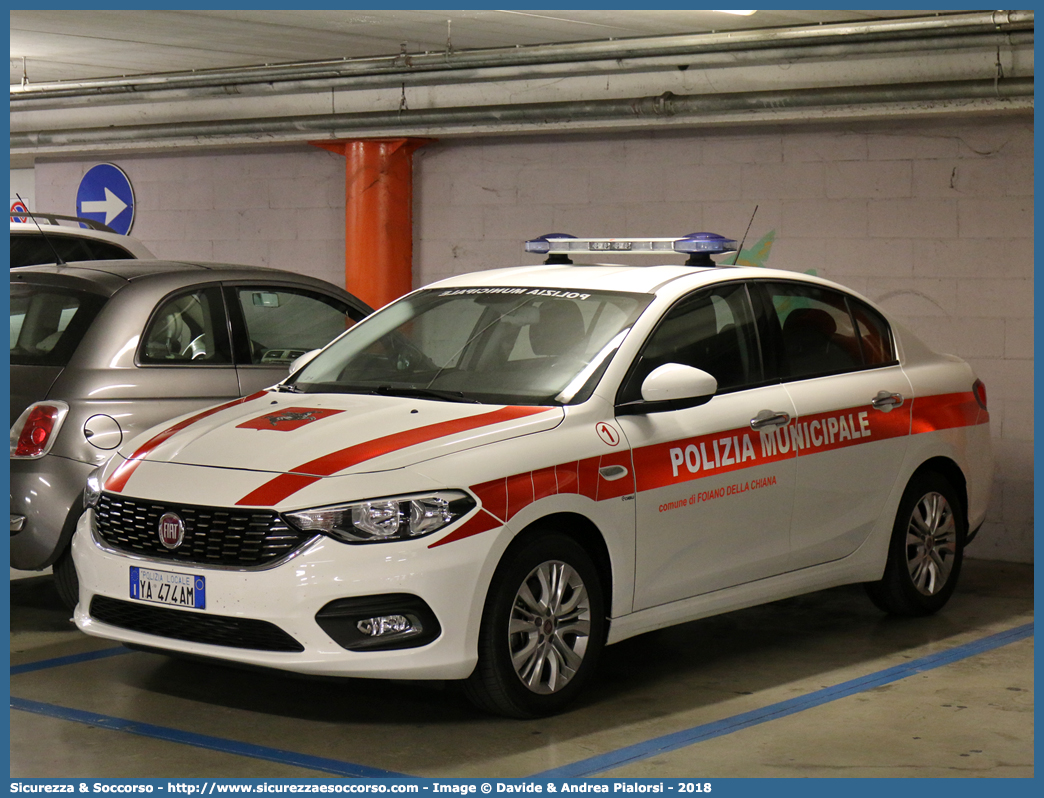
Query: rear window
point(48, 322)
point(32, 248)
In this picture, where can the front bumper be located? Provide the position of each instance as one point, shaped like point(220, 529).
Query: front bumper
point(450, 580)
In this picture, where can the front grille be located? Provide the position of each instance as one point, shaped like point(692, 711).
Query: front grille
point(213, 535)
point(195, 627)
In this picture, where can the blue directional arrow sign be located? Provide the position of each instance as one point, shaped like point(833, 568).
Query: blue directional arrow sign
point(105, 194)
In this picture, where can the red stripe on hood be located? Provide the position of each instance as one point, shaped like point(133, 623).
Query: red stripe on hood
point(117, 480)
point(284, 485)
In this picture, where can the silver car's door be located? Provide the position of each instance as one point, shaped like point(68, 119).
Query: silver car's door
point(184, 363)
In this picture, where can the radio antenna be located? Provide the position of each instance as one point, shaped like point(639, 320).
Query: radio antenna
point(57, 258)
point(740, 247)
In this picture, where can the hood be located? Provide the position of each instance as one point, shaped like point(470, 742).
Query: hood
point(323, 434)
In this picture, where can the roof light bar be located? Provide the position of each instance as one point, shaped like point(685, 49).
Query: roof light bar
point(699, 246)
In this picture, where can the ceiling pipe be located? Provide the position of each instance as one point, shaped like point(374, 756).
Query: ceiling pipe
point(543, 116)
point(135, 93)
point(917, 27)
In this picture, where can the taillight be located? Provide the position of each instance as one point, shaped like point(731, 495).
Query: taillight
point(979, 389)
point(34, 432)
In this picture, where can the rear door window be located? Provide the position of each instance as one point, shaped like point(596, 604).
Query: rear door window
point(875, 336)
point(817, 330)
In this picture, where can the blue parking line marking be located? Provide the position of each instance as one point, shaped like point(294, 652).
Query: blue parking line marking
point(204, 741)
point(74, 659)
point(683, 739)
point(584, 768)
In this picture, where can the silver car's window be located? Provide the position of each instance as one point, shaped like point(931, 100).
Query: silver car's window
point(282, 324)
point(47, 323)
point(188, 329)
point(494, 345)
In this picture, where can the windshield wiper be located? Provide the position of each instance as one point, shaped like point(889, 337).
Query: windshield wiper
point(288, 388)
point(424, 393)
point(381, 390)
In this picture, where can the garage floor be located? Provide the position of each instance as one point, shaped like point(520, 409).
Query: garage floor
point(822, 685)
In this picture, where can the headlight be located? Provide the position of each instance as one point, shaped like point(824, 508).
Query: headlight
point(93, 489)
point(397, 518)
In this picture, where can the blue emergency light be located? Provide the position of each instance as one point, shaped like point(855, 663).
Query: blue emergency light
point(698, 246)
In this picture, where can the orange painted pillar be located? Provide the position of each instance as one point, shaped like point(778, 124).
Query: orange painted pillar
point(378, 216)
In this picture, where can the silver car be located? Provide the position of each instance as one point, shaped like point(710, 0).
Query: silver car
point(103, 350)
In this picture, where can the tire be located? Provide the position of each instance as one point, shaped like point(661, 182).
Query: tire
point(926, 550)
point(65, 579)
point(543, 628)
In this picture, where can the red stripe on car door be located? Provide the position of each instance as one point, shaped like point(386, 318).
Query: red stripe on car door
point(947, 411)
point(504, 498)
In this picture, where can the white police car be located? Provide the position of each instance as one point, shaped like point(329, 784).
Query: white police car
point(497, 475)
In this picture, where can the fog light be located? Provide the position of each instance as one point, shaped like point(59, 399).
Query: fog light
point(379, 623)
point(388, 625)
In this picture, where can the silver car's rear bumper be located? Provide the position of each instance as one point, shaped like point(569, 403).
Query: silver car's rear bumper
point(46, 495)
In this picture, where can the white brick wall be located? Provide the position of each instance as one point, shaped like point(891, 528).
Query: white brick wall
point(280, 208)
point(932, 220)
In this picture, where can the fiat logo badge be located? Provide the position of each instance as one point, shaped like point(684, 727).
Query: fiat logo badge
point(171, 530)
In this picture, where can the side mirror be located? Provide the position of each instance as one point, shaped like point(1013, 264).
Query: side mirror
point(673, 382)
point(672, 386)
point(304, 360)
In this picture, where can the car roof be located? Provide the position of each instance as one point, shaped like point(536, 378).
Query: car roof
point(130, 269)
point(614, 277)
point(56, 230)
point(602, 277)
point(109, 276)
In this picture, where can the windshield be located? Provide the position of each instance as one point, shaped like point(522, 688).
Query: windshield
point(493, 345)
point(47, 323)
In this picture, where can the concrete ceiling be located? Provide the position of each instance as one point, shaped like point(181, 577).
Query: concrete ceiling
point(102, 82)
point(70, 45)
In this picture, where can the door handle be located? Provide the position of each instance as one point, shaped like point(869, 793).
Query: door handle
point(769, 418)
point(886, 401)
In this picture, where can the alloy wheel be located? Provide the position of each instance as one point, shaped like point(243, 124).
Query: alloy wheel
point(549, 627)
point(931, 543)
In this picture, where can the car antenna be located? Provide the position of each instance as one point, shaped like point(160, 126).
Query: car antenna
point(57, 258)
point(743, 240)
